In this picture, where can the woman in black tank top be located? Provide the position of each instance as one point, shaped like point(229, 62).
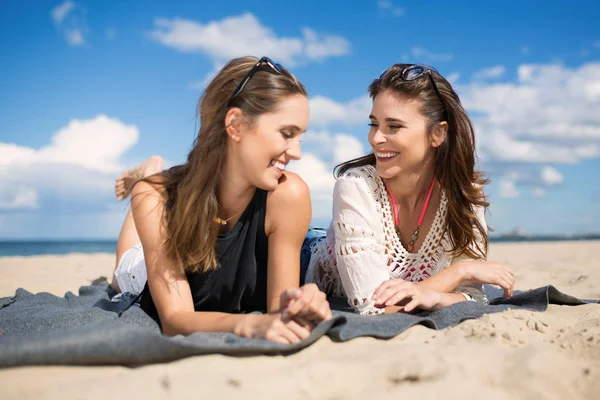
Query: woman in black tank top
point(209, 242)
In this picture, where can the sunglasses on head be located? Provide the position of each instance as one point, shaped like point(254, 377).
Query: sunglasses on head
point(264, 60)
point(416, 71)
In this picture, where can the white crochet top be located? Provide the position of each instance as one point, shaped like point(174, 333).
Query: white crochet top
point(362, 249)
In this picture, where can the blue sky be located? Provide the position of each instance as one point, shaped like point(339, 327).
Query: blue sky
point(90, 87)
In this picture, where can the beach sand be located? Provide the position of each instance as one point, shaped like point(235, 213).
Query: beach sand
point(511, 355)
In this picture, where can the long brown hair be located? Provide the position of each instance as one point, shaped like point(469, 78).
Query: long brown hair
point(454, 160)
point(189, 190)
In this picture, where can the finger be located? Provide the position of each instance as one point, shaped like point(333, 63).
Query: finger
point(380, 289)
point(276, 337)
point(414, 303)
point(289, 334)
point(299, 305)
point(397, 298)
point(287, 296)
point(511, 284)
point(507, 288)
point(325, 311)
point(298, 330)
point(387, 296)
point(306, 323)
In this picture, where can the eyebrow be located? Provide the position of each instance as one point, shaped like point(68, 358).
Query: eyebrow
point(294, 128)
point(388, 119)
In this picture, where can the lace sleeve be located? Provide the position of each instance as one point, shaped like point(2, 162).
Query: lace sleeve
point(359, 243)
point(475, 290)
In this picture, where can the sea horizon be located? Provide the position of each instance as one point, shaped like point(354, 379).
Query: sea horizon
point(33, 247)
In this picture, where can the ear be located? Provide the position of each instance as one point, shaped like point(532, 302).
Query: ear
point(438, 135)
point(234, 123)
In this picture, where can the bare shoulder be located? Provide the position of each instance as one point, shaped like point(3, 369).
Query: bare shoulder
point(288, 204)
point(291, 190)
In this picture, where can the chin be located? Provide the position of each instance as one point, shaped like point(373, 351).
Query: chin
point(268, 183)
point(386, 172)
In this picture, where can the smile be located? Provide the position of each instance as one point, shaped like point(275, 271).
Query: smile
point(385, 156)
point(278, 165)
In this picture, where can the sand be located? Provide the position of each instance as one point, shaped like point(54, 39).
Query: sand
point(511, 355)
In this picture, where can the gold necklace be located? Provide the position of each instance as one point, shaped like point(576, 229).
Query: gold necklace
point(225, 221)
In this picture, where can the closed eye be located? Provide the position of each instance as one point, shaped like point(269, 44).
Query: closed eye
point(287, 135)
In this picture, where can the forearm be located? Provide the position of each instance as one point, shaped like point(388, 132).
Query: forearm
point(186, 323)
point(445, 300)
point(446, 280)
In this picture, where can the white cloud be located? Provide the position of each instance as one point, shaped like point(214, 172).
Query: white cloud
point(550, 115)
point(322, 151)
point(551, 176)
point(538, 192)
point(60, 12)
point(453, 78)
point(422, 54)
point(320, 180)
point(325, 111)
point(490, 73)
point(75, 37)
point(388, 6)
point(69, 19)
point(245, 35)
point(346, 148)
point(79, 164)
point(18, 197)
point(508, 189)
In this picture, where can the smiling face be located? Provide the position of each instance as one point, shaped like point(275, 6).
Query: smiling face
point(399, 136)
point(272, 142)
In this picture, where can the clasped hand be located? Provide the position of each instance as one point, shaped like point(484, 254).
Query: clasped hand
point(301, 309)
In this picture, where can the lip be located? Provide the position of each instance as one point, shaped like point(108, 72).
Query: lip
point(385, 159)
point(279, 170)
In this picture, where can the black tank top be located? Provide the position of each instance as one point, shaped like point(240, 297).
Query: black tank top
point(239, 284)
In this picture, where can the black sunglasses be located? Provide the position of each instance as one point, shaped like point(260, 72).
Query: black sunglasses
point(266, 60)
point(416, 71)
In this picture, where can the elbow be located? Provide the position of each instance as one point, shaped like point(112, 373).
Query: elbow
point(171, 325)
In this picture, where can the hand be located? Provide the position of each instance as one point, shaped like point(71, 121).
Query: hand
point(398, 292)
point(271, 327)
point(490, 272)
point(307, 305)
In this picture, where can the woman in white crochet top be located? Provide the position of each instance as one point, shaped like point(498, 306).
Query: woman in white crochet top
point(408, 228)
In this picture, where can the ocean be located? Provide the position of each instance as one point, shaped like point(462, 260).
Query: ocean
point(41, 247)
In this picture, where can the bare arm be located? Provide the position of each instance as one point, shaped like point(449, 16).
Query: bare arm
point(167, 281)
point(171, 291)
point(288, 219)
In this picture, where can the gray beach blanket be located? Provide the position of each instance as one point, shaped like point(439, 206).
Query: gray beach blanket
point(89, 329)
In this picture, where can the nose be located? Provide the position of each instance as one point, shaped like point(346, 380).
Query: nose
point(294, 150)
point(376, 137)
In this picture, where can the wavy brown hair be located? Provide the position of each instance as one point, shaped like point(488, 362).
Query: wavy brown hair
point(189, 190)
point(454, 166)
